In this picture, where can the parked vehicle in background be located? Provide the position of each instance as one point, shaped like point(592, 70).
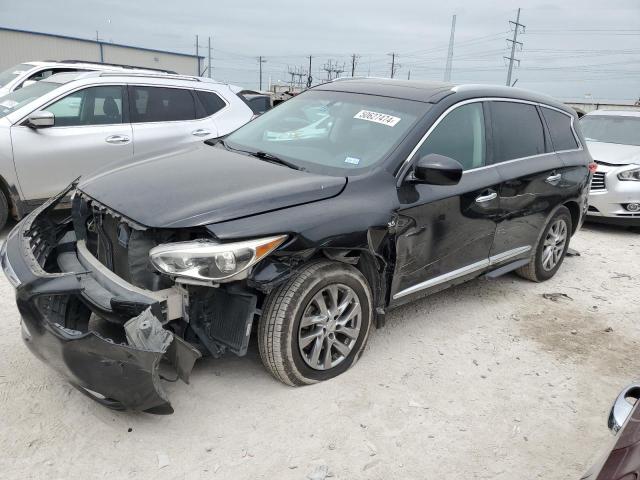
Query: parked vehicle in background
point(613, 138)
point(408, 188)
point(258, 102)
point(71, 124)
point(621, 460)
point(27, 73)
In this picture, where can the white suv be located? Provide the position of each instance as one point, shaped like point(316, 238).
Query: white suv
point(72, 124)
point(27, 73)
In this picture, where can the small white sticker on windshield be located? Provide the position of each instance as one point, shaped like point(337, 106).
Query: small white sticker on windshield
point(383, 118)
point(352, 160)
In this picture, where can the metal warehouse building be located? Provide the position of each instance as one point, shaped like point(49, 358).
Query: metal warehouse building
point(17, 46)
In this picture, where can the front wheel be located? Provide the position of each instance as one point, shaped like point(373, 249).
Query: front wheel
point(314, 326)
point(551, 248)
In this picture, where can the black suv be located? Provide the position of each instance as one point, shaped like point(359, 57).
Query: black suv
point(309, 223)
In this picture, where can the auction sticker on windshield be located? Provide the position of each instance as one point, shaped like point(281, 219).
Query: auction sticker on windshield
point(383, 118)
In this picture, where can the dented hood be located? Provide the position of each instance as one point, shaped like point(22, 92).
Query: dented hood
point(205, 185)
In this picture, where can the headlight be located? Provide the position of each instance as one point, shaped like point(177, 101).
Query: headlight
point(210, 261)
point(633, 175)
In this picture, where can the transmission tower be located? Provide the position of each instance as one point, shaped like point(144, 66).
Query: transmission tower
point(332, 69)
point(517, 28)
point(447, 70)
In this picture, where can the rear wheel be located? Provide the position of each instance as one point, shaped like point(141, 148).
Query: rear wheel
point(314, 327)
point(551, 248)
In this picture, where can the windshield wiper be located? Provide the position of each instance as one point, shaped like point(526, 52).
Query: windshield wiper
point(269, 157)
point(274, 159)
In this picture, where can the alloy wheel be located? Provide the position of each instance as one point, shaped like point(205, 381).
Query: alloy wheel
point(554, 244)
point(329, 327)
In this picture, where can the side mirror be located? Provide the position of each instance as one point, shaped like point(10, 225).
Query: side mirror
point(41, 119)
point(437, 169)
point(26, 83)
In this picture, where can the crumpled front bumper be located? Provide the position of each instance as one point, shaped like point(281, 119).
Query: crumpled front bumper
point(118, 374)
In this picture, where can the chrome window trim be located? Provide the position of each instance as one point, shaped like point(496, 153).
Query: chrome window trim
point(407, 162)
point(461, 272)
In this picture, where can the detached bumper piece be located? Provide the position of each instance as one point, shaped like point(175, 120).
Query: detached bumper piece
point(115, 359)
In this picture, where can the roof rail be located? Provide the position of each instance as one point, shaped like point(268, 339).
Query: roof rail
point(116, 65)
point(176, 76)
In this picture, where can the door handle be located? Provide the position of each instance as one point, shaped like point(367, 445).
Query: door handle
point(117, 139)
point(201, 132)
point(553, 179)
point(487, 198)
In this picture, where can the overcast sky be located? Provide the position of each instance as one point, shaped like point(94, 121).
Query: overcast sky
point(571, 48)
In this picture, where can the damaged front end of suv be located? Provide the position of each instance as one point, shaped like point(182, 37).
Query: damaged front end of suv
point(115, 306)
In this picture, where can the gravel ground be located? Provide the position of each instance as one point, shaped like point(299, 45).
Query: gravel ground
point(486, 380)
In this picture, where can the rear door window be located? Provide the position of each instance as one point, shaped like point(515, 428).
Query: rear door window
point(517, 131)
point(560, 130)
point(160, 104)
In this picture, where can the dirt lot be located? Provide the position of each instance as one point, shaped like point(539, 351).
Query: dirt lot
point(487, 380)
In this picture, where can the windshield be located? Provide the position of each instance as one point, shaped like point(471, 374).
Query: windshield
point(13, 72)
point(611, 129)
point(15, 100)
point(333, 133)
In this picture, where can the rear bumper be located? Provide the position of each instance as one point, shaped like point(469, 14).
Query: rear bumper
point(116, 373)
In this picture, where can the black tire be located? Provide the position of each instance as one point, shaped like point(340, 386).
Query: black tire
point(4, 210)
point(534, 270)
point(280, 324)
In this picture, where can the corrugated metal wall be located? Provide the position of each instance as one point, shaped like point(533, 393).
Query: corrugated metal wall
point(17, 47)
point(146, 58)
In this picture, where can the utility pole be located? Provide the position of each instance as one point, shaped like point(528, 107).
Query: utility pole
point(209, 66)
point(394, 66)
point(514, 42)
point(409, 75)
point(309, 77)
point(354, 62)
point(100, 46)
point(260, 62)
point(198, 56)
point(447, 70)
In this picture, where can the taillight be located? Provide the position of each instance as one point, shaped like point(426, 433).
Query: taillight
point(593, 166)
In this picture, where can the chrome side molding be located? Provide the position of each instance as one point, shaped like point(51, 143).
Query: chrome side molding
point(461, 272)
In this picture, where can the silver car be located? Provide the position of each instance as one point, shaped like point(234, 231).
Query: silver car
point(613, 139)
point(72, 124)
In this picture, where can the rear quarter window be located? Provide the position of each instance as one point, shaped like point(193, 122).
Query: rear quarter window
point(211, 103)
point(517, 131)
point(560, 130)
